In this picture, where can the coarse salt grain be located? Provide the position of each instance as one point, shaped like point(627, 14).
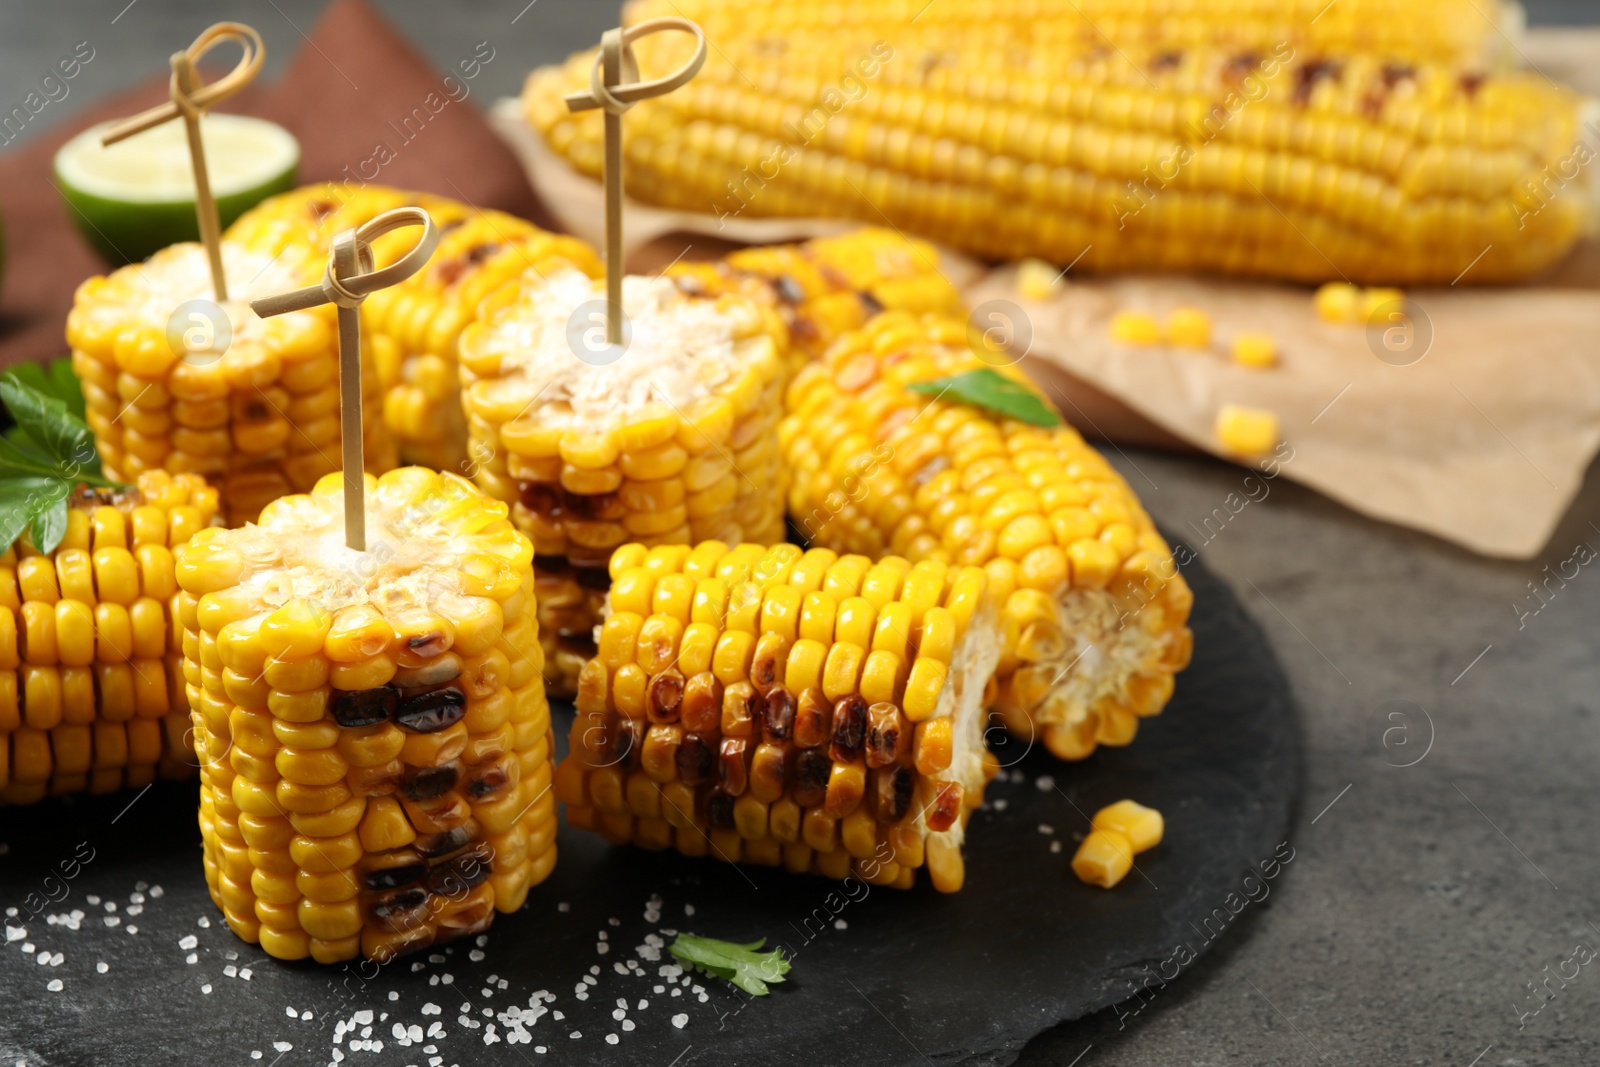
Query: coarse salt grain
point(680, 1021)
point(102, 967)
point(188, 942)
point(55, 985)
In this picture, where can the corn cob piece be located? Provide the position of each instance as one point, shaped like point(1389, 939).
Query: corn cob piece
point(176, 382)
point(413, 327)
point(999, 141)
point(372, 729)
point(91, 682)
point(828, 285)
point(1452, 32)
point(1092, 607)
point(675, 441)
point(773, 706)
point(571, 602)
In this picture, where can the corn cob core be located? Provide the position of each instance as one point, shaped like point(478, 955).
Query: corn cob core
point(768, 705)
point(176, 382)
point(413, 327)
point(1453, 32)
point(1092, 607)
point(1010, 140)
point(674, 441)
point(91, 687)
point(372, 728)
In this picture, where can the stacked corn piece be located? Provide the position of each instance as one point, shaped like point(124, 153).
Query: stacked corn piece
point(374, 740)
point(174, 381)
point(412, 327)
point(768, 706)
point(1454, 32)
point(1093, 609)
point(828, 285)
point(999, 140)
point(672, 442)
point(91, 686)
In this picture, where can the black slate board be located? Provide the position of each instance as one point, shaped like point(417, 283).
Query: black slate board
point(912, 978)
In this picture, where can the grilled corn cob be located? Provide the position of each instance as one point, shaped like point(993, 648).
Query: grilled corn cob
point(1002, 141)
point(412, 327)
point(672, 442)
point(1092, 607)
point(1453, 32)
point(176, 382)
point(828, 285)
point(372, 728)
point(91, 686)
point(768, 705)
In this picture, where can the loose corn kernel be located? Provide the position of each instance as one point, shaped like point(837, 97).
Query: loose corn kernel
point(1258, 350)
point(1189, 327)
point(1247, 431)
point(1038, 280)
point(1104, 858)
point(1135, 328)
point(1141, 826)
point(1339, 302)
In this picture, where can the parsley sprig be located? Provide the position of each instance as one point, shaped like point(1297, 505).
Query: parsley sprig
point(742, 965)
point(46, 455)
point(988, 388)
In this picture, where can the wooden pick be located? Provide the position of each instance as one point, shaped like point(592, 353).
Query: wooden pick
point(614, 86)
point(348, 280)
point(191, 98)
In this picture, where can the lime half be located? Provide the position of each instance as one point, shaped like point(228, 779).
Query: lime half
point(137, 196)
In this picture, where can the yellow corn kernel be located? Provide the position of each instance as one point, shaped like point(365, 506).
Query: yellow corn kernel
point(1259, 350)
point(1135, 328)
point(1374, 300)
point(1038, 280)
point(1247, 431)
point(1338, 302)
point(1142, 827)
point(1103, 859)
point(1189, 327)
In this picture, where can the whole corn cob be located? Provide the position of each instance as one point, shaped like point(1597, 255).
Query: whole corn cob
point(1092, 607)
point(671, 442)
point(1000, 140)
point(1452, 32)
point(91, 685)
point(773, 706)
point(374, 740)
point(413, 327)
point(174, 381)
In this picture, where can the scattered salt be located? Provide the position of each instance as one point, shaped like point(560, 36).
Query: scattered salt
point(680, 1021)
point(1046, 828)
point(188, 942)
point(102, 967)
point(55, 985)
point(563, 906)
point(612, 1039)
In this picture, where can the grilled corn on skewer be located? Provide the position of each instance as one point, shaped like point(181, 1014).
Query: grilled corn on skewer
point(372, 729)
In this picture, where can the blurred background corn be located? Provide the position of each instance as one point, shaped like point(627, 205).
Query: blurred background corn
point(91, 683)
point(372, 729)
point(1092, 607)
point(174, 381)
point(822, 287)
point(412, 328)
point(1022, 138)
point(1469, 33)
point(773, 706)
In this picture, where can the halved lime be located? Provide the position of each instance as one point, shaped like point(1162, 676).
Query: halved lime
point(137, 196)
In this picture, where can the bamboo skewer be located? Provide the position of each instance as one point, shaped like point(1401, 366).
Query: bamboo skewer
point(615, 87)
point(191, 99)
point(349, 279)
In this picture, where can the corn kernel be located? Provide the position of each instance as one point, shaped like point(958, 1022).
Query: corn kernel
point(1339, 302)
point(1135, 328)
point(1104, 858)
point(1189, 327)
point(1247, 431)
point(1259, 350)
point(1141, 826)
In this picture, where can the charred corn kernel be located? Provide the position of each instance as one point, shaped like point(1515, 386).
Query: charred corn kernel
point(1247, 431)
point(789, 735)
point(1363, 144)
point(1038, 280)
point(1028, 518)
point(1135, 328)
point(216, 403)
point(376, 712)
point(1104, 858)
point(1259, 350)
point(1142, 827)
point(1339, 302)
point(87, 645)
point(1189, 328)
point(413, 327)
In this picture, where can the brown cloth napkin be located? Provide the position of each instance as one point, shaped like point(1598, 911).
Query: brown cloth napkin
point(339, 113)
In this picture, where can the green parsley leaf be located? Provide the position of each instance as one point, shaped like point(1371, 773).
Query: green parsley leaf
point(45, 456)
point(989, 389)
point(743, 965)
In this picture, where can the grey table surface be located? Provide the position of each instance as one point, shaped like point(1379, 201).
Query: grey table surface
point(1426, 901)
